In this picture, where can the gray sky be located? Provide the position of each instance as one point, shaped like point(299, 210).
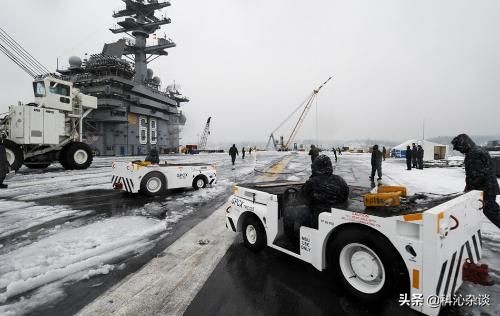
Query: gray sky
point(250, 63)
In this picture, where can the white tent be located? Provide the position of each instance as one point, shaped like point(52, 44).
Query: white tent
point(432, 151)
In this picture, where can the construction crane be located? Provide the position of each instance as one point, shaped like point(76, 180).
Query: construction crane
point(284, 145)
point(204, 136)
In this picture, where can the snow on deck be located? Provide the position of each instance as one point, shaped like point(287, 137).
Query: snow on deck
point(34, 269)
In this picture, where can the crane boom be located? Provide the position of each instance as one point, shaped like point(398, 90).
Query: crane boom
point(204, 136)
point(304, 114)
point(21, 57)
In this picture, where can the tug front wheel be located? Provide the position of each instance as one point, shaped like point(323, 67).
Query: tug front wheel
point(254, 235)
point(199, 182)
point(15, 155)
point(76, 155)
point(367, 264)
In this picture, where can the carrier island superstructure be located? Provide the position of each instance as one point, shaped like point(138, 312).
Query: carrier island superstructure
point(134, 113)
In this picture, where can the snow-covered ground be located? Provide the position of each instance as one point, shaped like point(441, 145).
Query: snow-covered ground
point(46, 244)
point(45, 247)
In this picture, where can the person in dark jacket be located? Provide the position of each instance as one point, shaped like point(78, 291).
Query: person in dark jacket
point(313, 152)
point(414, 155)
point(4, 165)
point(233, 152)
point(323, 189)
point(153, 156)
point(384, 152)
point(376, 163)
point(408, 157)
point(339, 150)
point(243, 153)
point(420, 157)
point(334, 153)
point(479, 175)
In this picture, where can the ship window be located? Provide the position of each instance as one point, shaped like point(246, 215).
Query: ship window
point(59, 88)
point(39, 88)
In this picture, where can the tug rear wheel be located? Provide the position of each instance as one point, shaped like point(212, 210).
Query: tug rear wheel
point(15, 155)
point(367, 265)
point(153, 183)
point(76, 156)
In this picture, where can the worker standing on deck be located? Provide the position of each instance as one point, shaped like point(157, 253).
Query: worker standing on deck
point(323, 189)
point(243, 153)
point(233, 152)
point(408, 157)
point(479, 175)
point(376, 163)
point(384, 152)
point(420, 157)
point(4, 165)
point(414, 155)
point(335, 153)
point(153, 157)
point(313, 152)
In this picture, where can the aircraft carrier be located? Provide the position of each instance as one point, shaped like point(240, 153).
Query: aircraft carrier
point(134, 113)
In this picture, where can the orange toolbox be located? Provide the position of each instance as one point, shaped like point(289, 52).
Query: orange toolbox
point(382, 199)
point(392, 188)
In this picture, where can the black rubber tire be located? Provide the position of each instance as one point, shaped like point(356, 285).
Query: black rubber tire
point(62, 158)
point(70, 152)
point(18, 154)
point(396, 273)
point(195, 182)
point(261, 239)
point(36, 165)
point(154, 174)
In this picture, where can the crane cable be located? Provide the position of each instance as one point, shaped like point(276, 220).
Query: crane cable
point(15, 52)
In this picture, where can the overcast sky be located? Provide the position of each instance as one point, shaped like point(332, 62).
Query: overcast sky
point(248, 64)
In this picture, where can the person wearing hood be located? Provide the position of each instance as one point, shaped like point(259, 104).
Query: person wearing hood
point(233, 152)
point(323, 188)
point(153, 157)
point(314, 152)
point(376, 163)
point(420, 157)
point(409, 152)
point(479, 175)
point(4, 165)
point(414, 155)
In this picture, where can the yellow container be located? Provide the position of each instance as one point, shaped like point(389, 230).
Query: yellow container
point(381, 199)
point(389, 189)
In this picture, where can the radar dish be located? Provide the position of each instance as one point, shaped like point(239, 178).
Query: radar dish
point(75, 62)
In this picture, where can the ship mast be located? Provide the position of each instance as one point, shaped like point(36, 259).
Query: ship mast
point(140, 21)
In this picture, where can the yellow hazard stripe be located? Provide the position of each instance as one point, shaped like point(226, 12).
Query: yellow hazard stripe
point(439, 218)
point(415, 280)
